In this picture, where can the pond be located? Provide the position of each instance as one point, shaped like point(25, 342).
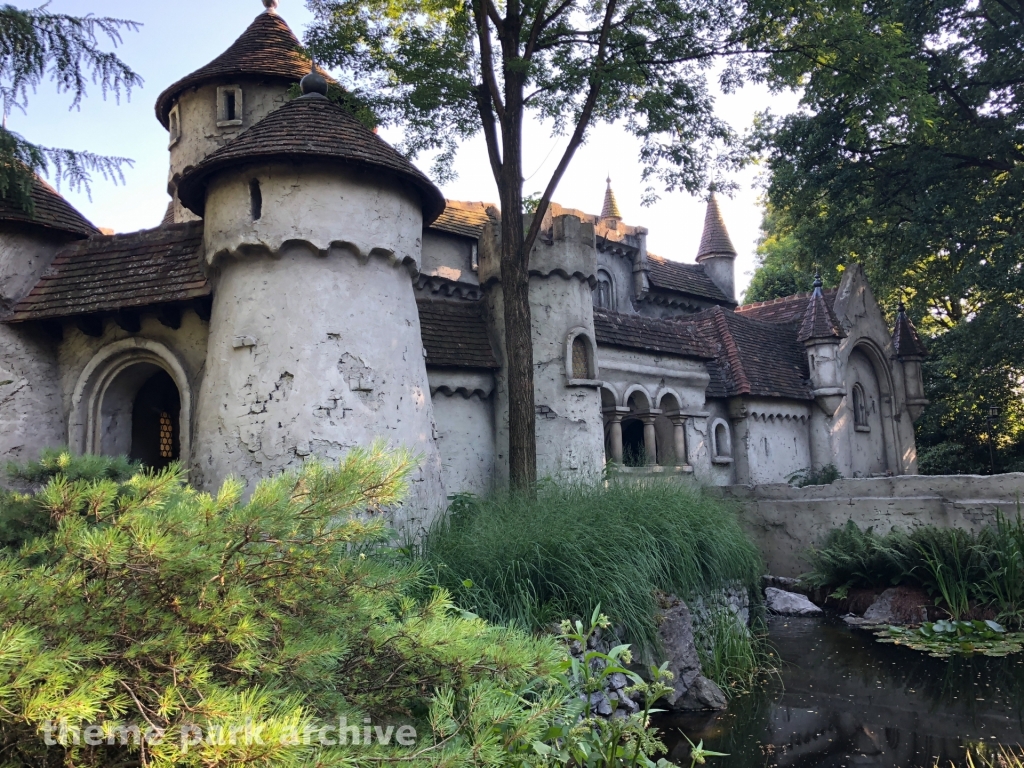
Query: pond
point(845, 700)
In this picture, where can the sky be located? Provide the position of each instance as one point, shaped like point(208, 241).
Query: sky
point(178, 37)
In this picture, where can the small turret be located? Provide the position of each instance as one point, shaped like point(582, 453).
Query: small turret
point(911, 352)
point(610, 210)
point(716, 253)
point(821, 333)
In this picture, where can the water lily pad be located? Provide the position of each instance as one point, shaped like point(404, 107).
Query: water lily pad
point(945, 638)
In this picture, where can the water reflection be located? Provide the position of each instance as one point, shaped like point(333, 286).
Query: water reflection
point(846, 700)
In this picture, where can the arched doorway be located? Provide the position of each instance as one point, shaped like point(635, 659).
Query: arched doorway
point(156, 413)
point(634, 454)
point(868, 410)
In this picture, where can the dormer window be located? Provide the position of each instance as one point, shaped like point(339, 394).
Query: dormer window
point(229, 106)
point(174, 125)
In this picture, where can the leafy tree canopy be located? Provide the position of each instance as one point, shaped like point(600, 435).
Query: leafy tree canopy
point(37, 45)
point(908, 155)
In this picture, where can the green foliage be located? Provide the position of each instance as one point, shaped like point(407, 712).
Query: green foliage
point(825, 475)
point(147, 603)
point(22, 516)
point(36, 45)
point(907, 155)
point(943, 639)
point(982, 755)
point(731, 654)
point(528, 561)
point(780, 270)
point(960, 568)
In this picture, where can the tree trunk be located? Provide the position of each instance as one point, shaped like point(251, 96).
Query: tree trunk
point(515, 286)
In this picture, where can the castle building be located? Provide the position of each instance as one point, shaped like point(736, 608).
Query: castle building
point(310, 290)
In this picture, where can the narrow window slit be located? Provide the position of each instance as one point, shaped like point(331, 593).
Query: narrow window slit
point(256, 196)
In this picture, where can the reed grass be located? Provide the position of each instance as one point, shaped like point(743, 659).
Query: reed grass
point(513, 559)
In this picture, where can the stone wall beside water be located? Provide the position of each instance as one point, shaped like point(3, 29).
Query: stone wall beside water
point(785, 521)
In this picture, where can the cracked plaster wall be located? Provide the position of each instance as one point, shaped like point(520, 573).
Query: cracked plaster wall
point(30, 413)
point(315, 343)
point(465, 438)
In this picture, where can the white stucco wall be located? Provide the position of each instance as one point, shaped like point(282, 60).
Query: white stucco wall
point(315, 341)
point(30, 413)
point(465, 430)
point(449, 257)
point(773, 437)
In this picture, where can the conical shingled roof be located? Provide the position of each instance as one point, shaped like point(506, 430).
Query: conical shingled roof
point(267, 49)
point(50, 211)
point(904, 336)
point(715, 241)
point(610, 210)
point(820, 322)
point(311, 128)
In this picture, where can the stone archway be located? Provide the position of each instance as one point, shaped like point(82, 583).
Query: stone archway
point(871, 423)
point(133, 398)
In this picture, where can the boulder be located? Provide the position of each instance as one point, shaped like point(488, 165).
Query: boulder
point(789, 603)
point(690, 689)
point(897, 605)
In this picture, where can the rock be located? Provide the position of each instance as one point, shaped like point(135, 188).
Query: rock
point(789, 603)
point(676, 634)
point(617, 681)
point(898, 605)
point(599, 704)
point(703, 694)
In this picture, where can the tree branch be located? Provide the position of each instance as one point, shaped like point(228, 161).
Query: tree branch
point(487, 56)
point(483, 103)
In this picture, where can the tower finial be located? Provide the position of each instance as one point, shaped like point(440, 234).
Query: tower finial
point(817, 280)
point(313, 85)
point(270, 5)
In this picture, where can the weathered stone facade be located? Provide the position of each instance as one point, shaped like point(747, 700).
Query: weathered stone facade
point(309, 291)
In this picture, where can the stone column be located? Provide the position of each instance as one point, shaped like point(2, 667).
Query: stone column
point(650, 439)
point(679, 439)
point(614, 417)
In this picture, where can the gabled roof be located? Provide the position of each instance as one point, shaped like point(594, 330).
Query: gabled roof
point(671, 337)
point(753, 357)
point(684, 278)
point(904, 336)
point(715, 240)
point(50, 211)
point(455, 334)
point(464, 219)
point(789, 309)
point(109, 273)
point(268, 49)
point(312, 128)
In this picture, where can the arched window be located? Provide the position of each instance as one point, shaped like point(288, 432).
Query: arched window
point(580, 358)
point(860, 409)
point(721, 442)
point(603, 294)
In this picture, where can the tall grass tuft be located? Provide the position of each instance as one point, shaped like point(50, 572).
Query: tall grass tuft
point(531, 561)
point(731, 654)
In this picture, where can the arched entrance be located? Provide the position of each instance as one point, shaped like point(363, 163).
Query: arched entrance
point(869, 411)
point(634, 453)
point(133, 399)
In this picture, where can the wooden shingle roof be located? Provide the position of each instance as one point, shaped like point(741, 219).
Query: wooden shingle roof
point(715, 240)
point(311, 128)
point(49, 211)
point(904, 337)
point(753, 357)
point(115, 272)
point(672, 337)
point(268, 49)
point(789, 309)
point(690, 279)
point(819, 321)
point(455, 335)
point(464, 219)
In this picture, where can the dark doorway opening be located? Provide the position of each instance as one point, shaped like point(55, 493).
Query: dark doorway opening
point(156, 441)
point(633, 451)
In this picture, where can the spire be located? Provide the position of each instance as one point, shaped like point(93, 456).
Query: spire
point(904, 337)
point(715, 240)
point(820, 322)
point(611, 207)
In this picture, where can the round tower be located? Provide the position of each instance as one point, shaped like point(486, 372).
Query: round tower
point(716, 253)
point(207, 109)
point(312, 229)
point(31, 411)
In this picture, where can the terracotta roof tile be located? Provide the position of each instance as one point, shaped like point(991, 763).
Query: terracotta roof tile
point(465, 219)
point(50, 211)
point(753, 357)
point(819, 321)
point(108, 273)
point(905, 338)
point(309, 127)
point(673, 337)
point(268, 49)
point(715, 240)
point(789, 309)
point(684, 278)
point(455, 334)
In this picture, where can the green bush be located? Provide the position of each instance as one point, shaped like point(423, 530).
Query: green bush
point(958, 567)
point(529, 561)
point(146, 603)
